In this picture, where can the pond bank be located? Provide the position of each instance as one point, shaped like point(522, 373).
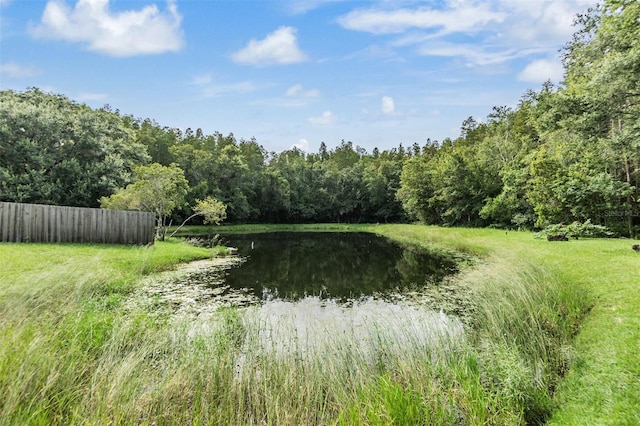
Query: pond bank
point(73, 351)
point(602, 385)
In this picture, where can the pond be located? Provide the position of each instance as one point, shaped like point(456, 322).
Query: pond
point(309, 293)
point(339, 266)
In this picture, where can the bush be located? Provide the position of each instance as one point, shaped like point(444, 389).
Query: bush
point(577, 230)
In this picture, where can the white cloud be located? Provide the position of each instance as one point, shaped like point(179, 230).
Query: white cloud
point(278, 47)
point(327, 118)
point(543, 21)
point(14, 70)
point(128, 33)
point(298, 7)
point(302, 145)
point(477, 55)
point(388, 106)
point(542, 70)
point(298, 91)
point(294, 90)
point(534, 21)
point(494, 32)
point(458, 17)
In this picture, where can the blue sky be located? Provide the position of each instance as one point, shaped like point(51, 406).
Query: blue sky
point(290, 73)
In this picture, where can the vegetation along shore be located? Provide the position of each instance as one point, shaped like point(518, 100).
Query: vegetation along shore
point(553, 339)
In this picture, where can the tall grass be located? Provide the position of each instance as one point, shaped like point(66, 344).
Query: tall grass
point(523, 330)
point(58, 308)
point(73, 351)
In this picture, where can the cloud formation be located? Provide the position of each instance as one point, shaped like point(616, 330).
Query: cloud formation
point(327, 118)
point(542, 21)
point(542, 70)
point(477, 55)
point(302, 145)
point(459, 17)
point(388, 106)
point(279, 47)
point(506, 29)
point(14, 70)
point(298, 91)
point(121, 34)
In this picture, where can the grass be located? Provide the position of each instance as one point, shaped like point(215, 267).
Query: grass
point(258, 228)
point(552, 336)
point(60, 311)
point(602, 385)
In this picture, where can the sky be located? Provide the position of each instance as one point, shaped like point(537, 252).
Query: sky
point(287, 72)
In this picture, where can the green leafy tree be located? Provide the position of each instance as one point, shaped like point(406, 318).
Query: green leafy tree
point(275, 197)
point(603, 89)
point(158, 189)
point(417, 187)
point(55, 151)
point(212, 210)
point(231, 180)
point(381, 181)
point(157, 140)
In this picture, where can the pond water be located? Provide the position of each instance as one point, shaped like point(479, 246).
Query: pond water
point(339, 266)
point(306, 294)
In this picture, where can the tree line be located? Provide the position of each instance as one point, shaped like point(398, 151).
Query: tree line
point(564, 154)
point(56, 151)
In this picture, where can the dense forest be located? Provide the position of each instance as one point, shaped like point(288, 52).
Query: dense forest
point(564, 154)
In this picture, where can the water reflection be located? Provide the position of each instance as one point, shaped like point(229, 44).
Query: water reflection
point(340, 266)
point(368, 330)
point(306, 295)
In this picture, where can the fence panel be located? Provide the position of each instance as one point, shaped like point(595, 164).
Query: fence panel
point(41, 223)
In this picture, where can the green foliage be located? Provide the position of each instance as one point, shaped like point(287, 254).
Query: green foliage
point(563, 154)
point(416, 189)
point(158, 189)
point(211, 209)
point(55, 151)
point(578, 229)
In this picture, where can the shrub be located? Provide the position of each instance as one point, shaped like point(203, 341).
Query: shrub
point(577, 230)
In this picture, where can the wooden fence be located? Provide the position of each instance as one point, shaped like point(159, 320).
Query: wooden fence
point(55, 224)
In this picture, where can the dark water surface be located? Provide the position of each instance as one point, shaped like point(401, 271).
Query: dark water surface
point(302, 295)
point(340, 266)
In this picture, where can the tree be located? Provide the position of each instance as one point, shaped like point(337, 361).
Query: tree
point(603, 88)
point(55, 151)
point(158, 189)
point(417, 188)
point(380, 183)
point(157, 140)
point(231, 180)
point(212, 210)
